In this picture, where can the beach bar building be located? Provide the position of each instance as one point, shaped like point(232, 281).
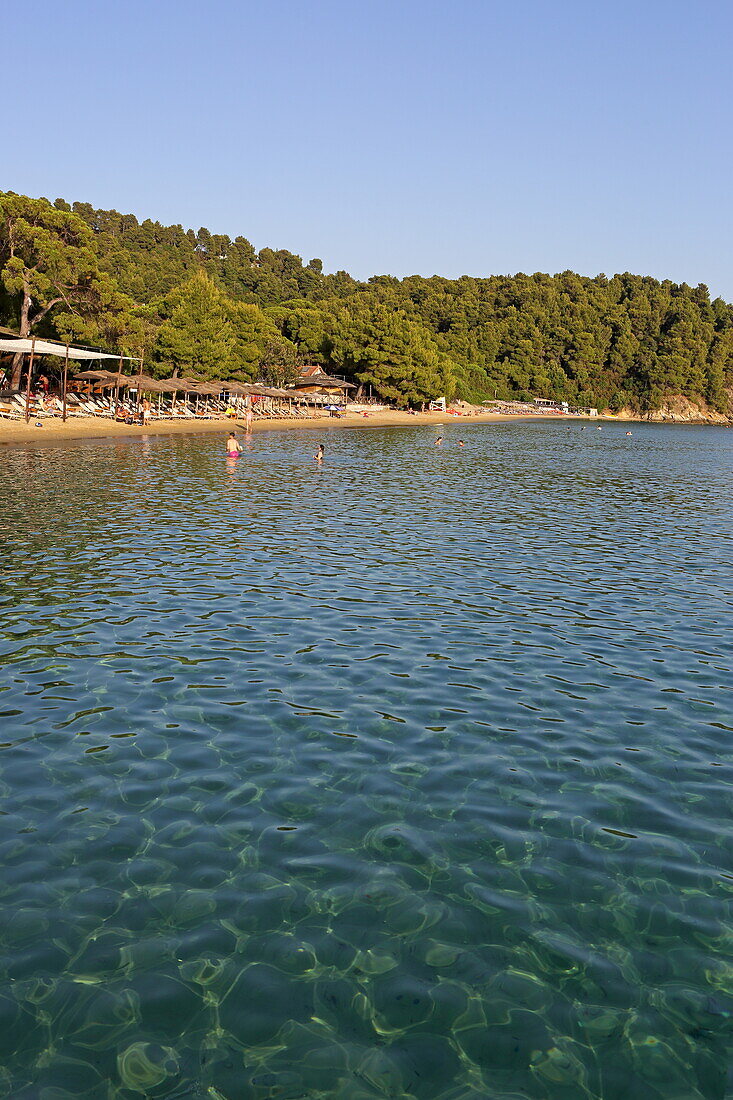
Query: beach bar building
point(550, 405)
point(314, 380)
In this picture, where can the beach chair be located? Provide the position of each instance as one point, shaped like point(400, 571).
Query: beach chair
point(19, 402)
point(72, 406)
point(72, 409)
point(100, 408)
point(35, 410)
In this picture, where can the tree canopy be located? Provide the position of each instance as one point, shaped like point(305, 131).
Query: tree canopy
point(201, 301)
point(398, 357)
point(196, 335)
point(47, 262)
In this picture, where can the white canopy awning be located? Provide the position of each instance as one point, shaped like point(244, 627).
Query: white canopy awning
point(45, 347)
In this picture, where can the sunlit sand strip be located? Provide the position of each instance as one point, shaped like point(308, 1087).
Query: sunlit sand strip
point(91, 427)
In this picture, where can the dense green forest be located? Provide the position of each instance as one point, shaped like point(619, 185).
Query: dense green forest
point(202, 303)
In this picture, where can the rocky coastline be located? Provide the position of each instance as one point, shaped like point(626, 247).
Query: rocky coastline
point(680, 410)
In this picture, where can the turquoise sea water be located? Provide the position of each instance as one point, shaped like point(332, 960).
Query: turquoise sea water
point(407, 776)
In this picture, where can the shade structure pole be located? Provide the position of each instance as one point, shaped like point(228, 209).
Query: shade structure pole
point(139, 380)
point(66, 374)
point(28, 381)
point(117, 384)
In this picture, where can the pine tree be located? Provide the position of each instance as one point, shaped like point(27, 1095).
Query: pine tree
point(197, 336)
point(253, 331)
point(47, 260)
point(381, 348)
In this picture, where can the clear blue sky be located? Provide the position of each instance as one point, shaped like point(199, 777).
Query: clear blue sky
point(396, 137)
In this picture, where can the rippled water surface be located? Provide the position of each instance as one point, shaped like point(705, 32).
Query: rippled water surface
point(405, 776)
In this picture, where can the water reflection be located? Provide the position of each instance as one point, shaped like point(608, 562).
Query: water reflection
point(403, 775)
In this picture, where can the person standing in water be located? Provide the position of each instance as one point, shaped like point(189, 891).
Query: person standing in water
point(234, 447)
point(318, 456)
point(439, 441)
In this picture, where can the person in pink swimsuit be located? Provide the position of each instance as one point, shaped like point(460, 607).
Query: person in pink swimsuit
point(234, 447)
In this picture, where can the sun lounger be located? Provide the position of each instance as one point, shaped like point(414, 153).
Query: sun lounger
point(18, 402)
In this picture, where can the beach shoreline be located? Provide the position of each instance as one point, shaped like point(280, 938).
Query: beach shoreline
point(88, 428)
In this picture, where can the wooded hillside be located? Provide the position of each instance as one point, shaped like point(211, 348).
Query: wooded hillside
point(204, 303)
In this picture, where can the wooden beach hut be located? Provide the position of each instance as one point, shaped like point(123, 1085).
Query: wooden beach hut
point(316, 383)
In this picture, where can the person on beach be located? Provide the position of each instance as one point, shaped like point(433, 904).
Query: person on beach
point(43, 383)
point(146, 410)
point(318, 456)
point(234, 447)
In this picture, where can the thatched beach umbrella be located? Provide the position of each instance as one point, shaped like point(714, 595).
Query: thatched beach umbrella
point(96, 375)
point(168, 385)
point(108, 383)
point(206, 389)
point(99, 379)
point(159, 386)
point(209, 388)
point(143, 382)
point(176, 386)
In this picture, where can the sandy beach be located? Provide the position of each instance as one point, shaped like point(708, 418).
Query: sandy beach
point(98, 428)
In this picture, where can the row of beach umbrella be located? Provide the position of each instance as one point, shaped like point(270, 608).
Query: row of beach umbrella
point(144, 382)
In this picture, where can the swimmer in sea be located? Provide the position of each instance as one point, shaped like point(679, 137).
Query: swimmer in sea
point(461, 443)
point(628, 433)
point(234, 447)
point(439, 441)
point(318, 456)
